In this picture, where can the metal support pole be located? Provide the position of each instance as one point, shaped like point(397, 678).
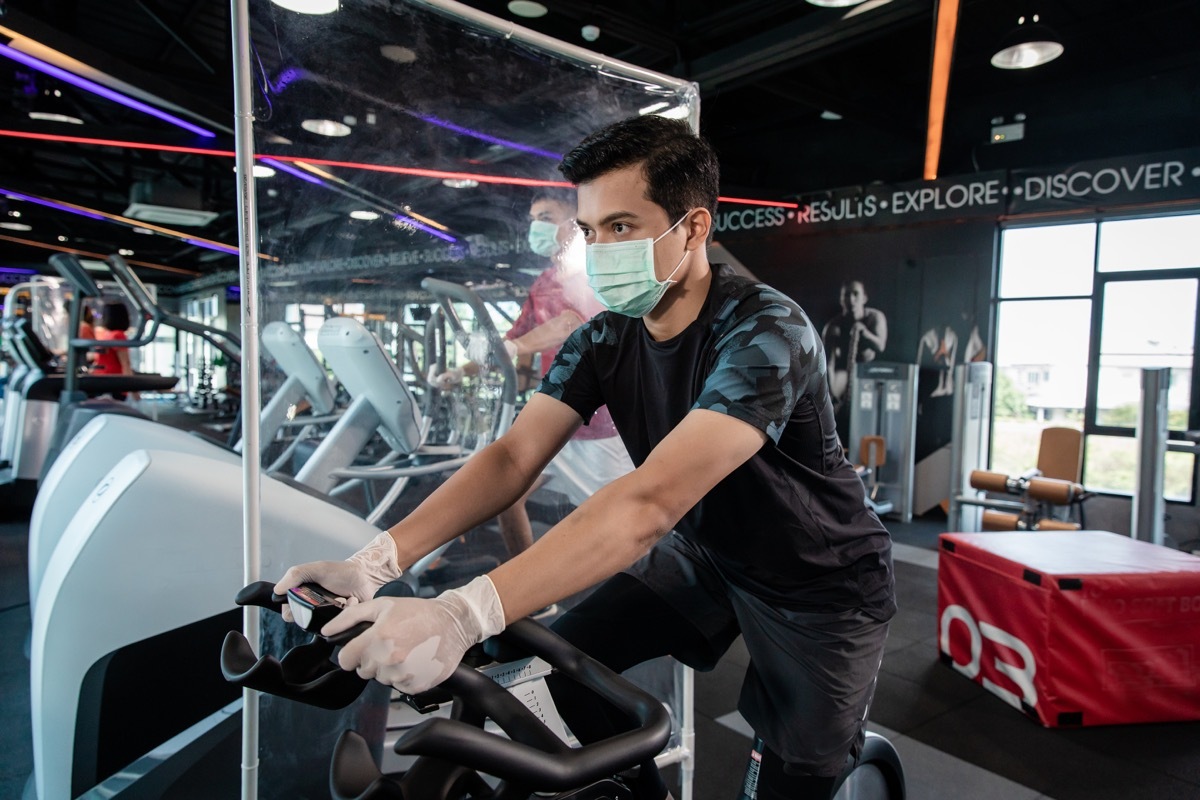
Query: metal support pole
point(1149, 508)
point(251, 396)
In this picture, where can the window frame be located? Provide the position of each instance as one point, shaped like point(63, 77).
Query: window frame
point(1100, 280)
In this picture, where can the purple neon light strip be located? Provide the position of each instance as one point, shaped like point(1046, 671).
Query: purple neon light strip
point(41, 201)
point(224, 248)
point(102, 91)
point(489, 138)
point(427, 228)
point(17, 271)
point(290, 170)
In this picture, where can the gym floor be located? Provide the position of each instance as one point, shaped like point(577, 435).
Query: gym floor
point(957, 740)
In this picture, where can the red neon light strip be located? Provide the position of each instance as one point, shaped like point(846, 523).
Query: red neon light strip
point(746, 202)
point(426, 173)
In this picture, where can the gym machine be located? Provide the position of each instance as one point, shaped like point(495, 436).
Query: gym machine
point(883, 406)
point(1036, 501)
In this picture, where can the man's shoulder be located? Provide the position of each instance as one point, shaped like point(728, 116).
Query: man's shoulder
point(741, 297)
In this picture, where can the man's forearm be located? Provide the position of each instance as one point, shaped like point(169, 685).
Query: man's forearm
point(483, 487)
point(606, 534)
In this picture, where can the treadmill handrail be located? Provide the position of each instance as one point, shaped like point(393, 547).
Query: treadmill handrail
point(227, 342)
point(446, 293)
point(71, 268)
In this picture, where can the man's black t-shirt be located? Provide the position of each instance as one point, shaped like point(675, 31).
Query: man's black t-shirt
point(791, 524)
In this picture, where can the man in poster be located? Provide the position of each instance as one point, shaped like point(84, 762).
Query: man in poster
point(857, 335)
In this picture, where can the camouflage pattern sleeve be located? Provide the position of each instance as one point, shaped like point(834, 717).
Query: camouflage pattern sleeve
point(572, 377)
point(767, 357)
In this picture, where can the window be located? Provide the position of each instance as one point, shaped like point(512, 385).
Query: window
point(1082, 308)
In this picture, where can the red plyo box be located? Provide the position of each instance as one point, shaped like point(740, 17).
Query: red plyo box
point(1073, 627)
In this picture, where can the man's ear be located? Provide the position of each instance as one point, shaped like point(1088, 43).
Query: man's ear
point(699, 225)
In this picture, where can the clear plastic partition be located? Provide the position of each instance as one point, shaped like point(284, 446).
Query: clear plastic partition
point(400, 149)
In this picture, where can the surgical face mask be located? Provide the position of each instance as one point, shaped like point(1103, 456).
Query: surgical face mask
point(543, 238)
point(622, 274)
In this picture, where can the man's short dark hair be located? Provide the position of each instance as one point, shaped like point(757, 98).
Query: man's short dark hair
point(555, 194)
point(680, 168)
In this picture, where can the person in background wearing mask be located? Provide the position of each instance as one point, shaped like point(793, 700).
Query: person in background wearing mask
point(559, 301)
point(743, 515)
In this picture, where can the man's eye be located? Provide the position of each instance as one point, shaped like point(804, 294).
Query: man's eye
point(620, 227)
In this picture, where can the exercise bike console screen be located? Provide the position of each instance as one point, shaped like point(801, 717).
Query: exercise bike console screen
point(313, 605)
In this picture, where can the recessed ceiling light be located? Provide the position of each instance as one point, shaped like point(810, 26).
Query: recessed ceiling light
point(460, 183)
point(14, 213)
point(308, 6)
point(365, 214)
point(145, 231)
point(678, 112)
point(50, 116)
point(830, 115)
point(326, 127)
point(527, 9)
point(398, 53)
point(261, 171)
point(125, 251)
point(62, 238)
point(834, 3)
point(16, 226)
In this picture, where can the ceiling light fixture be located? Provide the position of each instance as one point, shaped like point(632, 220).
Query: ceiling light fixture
point(16, 226)
point(260, 171)
point(398, 53)
point(326, 127)
point(527, 9)
point(832, 116)
point(650, 109)
point(364, 214)
point(95, 88)
point(835, 3)
point(1028, 45)
point(54, 116)
point(460, 183)
point(308, 6)
point(678, 112)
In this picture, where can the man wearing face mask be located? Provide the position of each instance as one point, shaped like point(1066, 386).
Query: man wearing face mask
point(742, 517)
point(558, 302)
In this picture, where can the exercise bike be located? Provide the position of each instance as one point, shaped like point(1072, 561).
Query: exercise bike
point(460, 757)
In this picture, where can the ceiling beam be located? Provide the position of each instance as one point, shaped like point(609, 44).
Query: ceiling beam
point(807, 39)
point(180, 39)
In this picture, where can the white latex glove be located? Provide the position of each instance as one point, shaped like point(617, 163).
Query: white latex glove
point(414, 644)
point(357, 578)
point(448, 379)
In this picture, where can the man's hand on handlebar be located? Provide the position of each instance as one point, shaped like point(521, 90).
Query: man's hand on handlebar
point(415, 644)
point(357, 578)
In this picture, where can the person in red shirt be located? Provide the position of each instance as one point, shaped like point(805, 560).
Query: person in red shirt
point(113, 323)
point(559, 301)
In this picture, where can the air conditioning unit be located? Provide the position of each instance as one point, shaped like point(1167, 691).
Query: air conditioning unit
point(168, 204)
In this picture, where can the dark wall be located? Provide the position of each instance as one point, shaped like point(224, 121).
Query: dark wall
point(932, 282)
